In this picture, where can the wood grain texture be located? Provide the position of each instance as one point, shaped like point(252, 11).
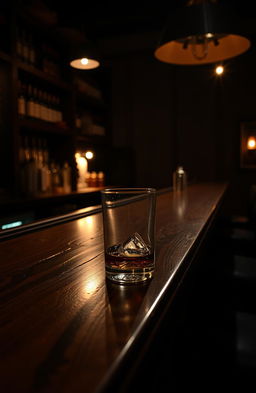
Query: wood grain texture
point(63, 328)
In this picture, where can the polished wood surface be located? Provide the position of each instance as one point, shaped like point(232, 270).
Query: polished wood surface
point(63, 328)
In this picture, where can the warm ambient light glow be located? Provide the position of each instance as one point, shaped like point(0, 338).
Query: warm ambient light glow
point(183, 53)
point(82, 167)
point(219, 70)
point(91, 286)
point(251, 143)
point(89, 155)
point(84, 63)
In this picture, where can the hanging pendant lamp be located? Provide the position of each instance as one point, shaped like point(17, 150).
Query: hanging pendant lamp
point(83, 57)
point(80, 52)
point(200, 33)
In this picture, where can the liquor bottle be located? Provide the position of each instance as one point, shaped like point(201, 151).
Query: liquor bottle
point(22, 165)
point(30, 103)
point(29, 170)
point(36, 103)
point(88, 179)
point(93, 179)
point(21, 101)
point(27, 152)
point(41, 107)
point(42, 169)
point(66, 178)
point(101, 179)
point(33, 169)
point(50, 108)
point(46, 186)
point(51, 111)
point(56, 178)
point(46, 106)
point(179, 179)
point(39, 166)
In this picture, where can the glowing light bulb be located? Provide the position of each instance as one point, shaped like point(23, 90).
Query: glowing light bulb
point(219, 70)
point(251, 143)
point(89, 155)
point(84, 61)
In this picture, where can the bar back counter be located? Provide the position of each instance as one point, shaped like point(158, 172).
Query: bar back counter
point(63, 327)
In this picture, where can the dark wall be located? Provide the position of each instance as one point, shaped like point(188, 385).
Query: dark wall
point(143, 117)
point(169, 115)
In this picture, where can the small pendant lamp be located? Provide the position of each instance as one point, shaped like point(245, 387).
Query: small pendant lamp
point(81, 53)
point(83, 57)
point(201, 32)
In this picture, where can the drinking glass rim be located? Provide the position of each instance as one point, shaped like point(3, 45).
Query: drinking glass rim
point(128, 190)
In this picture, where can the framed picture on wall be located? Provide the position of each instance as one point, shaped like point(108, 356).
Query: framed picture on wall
point(248, 145)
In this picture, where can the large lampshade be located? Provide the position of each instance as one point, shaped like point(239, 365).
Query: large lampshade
point(200, 34)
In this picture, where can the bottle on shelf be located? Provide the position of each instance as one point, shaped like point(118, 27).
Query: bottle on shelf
point(30, 103)
point(42, 106)
point(36, 103)
point(23, 161)
point(32, 170)
point(179, 179)
point(46, 106)
point(22, 101)
point(101, 179)
point(93, 179)
point(66, 177)
point(56, 182)
point(51, 109)
point(46, 171)
point(35, 174)
point(43, 170)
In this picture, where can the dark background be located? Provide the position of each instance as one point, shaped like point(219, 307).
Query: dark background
point(163, 115)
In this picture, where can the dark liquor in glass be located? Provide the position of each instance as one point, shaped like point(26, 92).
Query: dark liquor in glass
point(132, 268)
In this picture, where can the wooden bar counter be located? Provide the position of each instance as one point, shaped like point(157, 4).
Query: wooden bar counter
point(63, 328)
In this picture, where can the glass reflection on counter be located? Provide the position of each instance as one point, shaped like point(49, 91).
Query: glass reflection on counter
point(91, 285)
point(126, 301)
point(180, 200)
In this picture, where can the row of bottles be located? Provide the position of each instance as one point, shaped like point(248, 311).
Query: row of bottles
point(35, 53)
point(39, 174)
point(95, 179)
point(38, 104)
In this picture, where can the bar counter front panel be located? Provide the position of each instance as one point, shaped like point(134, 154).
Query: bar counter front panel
point(63, 327)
